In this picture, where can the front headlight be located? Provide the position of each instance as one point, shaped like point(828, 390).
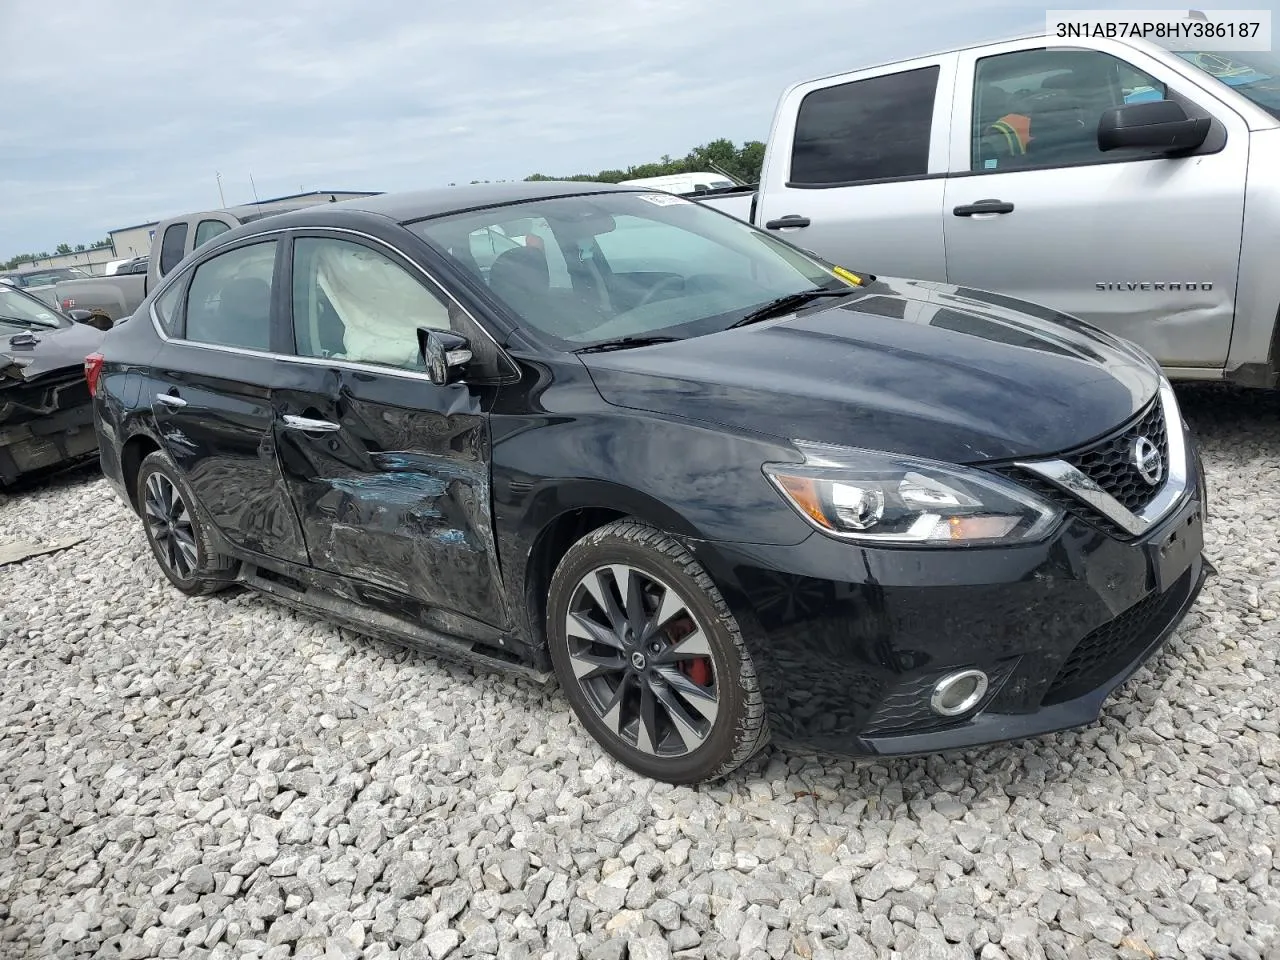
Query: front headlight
point(886, 498)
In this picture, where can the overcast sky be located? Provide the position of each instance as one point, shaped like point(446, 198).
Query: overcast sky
point(119, 112)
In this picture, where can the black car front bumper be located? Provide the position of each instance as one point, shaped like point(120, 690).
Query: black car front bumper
point(850, 642)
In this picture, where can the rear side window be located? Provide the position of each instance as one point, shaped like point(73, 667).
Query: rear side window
point(206, 230)
point(166, 307)
point(872, 129)
point(171, 246)
point(229, 300)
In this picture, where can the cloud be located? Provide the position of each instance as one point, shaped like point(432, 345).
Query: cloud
point(124, 112)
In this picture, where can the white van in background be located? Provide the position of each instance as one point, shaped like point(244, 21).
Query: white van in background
point(682, 183)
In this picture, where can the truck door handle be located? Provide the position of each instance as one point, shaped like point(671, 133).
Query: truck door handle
point(983, 206)
point(307, 425)
point(790, 220)
point(170, 400)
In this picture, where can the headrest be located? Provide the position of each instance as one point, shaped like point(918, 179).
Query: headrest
point(249, 295)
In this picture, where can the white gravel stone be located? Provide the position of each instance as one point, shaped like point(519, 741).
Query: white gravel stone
point(224, 778)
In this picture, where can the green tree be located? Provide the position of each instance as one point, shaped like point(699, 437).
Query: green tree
point(62, 248)
point(79, 248)
point(743, 162)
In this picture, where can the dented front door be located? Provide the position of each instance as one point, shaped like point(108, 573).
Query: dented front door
point(390, 477)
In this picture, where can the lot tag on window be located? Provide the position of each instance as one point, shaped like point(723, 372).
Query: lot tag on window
point(661, 199)
point(844, 274)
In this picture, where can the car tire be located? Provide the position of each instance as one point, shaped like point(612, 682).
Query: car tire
point(690, 708)
point(177, 531)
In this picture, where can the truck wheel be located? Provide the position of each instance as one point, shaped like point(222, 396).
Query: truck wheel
point(651, 658)
point(176, 531)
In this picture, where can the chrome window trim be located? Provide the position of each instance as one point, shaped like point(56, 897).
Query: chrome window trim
point(276, 233)
point(1074, 482)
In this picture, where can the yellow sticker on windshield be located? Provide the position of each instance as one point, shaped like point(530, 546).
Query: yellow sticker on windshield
point(844, 274)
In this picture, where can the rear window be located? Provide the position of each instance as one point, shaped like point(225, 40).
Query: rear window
point(171, 246)
point(872, 129)
point(208, 229)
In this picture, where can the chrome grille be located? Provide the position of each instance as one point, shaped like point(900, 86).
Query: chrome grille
point(1110, 463)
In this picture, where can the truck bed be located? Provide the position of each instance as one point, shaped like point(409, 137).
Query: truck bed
point(114, 297)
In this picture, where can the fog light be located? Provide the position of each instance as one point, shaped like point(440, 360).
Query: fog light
point(958, 693)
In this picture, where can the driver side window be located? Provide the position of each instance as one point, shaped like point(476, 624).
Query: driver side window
point(1034, 109)
point(351, 302)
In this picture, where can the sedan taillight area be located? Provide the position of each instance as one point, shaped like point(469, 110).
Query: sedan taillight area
point(92, 370)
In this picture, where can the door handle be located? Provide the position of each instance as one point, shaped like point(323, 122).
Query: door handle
point(170, 400)
point(983, 206)
point(307, 425)
point(790, 220)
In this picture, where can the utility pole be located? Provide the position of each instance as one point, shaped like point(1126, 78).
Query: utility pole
point(221, 198)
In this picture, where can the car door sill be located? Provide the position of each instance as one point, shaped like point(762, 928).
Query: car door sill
point(375, 623)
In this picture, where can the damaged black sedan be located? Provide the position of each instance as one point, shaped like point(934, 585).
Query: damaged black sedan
point(46, 421)
point(720, 489)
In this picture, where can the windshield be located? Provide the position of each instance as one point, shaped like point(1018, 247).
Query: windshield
point(1255, 75)
point(19, 306)
point(587, 269)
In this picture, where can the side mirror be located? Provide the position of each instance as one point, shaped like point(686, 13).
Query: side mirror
point(445, 354)
point(1157, 125)
point(92, 318)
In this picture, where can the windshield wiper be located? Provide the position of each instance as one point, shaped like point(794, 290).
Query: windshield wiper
point(784, 305)
point(625, 343)
point(28, 324)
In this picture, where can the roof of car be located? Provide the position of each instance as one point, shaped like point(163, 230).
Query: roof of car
point(421, 204)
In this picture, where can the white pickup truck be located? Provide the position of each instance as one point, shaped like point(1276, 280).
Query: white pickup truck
point(1133, 186)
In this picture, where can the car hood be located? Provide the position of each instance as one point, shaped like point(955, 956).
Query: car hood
point(918, 368)
point(28, 354)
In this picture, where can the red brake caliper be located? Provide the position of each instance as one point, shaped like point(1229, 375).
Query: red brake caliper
point(699, 671)
point(699, 668)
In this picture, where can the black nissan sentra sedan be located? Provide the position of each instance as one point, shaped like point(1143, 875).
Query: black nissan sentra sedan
point(720, 489)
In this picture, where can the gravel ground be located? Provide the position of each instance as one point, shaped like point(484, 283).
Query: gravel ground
point(225, 778)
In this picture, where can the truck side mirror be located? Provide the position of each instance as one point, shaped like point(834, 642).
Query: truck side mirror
point(91, 318)
point(1157, 125)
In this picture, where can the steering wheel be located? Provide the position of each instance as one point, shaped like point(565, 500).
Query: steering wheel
point(658, 288)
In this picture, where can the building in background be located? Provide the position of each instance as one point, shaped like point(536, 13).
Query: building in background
point(93, 261)
point(135, 241)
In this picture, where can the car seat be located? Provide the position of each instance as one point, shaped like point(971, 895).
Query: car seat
point(993, 103)
point(1060, 128)
point(519, 274)
point(244, 313)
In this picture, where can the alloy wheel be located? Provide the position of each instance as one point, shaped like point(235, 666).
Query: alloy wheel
point(643, 661)
point(169, 524)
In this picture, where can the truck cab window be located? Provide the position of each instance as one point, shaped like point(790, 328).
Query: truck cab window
point(872, 129)
point(1040, 108)
point(206, 230)
point(172, 245)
